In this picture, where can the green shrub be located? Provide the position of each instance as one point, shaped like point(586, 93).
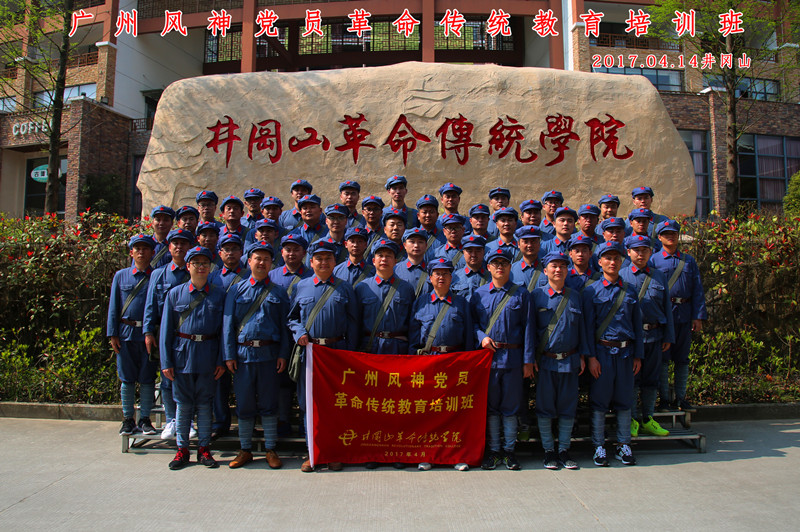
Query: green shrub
point(791, 201)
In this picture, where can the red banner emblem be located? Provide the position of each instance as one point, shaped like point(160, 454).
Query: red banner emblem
point(396, 408)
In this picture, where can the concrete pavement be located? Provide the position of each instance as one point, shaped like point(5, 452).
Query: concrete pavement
point(71, 475)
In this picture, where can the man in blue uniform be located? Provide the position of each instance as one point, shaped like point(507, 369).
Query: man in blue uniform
point(397, 186)
point(207, 207)
point(564, 226)
point(427, 218)
point(386, 302)
point(501, 318)
point(613, 230)
point(394, 225)
point(498, 198)
point(643, 199)
point(588, 222)
point(271, 209)
point(312, 226)
point(583, 271)
point(614, 335)
point(208, 237)
point(479, 222)
point(639, 224)
point(527, 271)
point(450, 196)
point(506, 220)
point(658, 331)
point(356, 268)
point(688, 309)
point(161, 281)
point(372, 210)
point(336, 220)
point(124, 331)
point(530, 212)
point(191, 358)
point(256, 345)
point(187, 217)
point(561, 351)
point(551, 202)
point(453, 229)
point(291, 219)
point(413, 269)
point(336, 321)
point(163, 220)
point(349, 193)
point(609, 205)
point(232, 209)
point(264, 230)
point(252, 200)
point(473, 273)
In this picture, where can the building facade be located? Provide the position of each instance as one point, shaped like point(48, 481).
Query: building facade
point(114, 80)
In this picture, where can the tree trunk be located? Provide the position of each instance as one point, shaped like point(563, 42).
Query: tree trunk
point(54, 136)
point(731, 134)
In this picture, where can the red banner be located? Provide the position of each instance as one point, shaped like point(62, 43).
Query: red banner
point(396, 408)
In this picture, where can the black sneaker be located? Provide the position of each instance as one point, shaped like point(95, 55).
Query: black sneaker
point(566, 460)
point(180, 460)
point(686, 406)
point(204, 457)
point(664, 406)
point(625, 455)
point(600, 458)
point(371, 465)
point(399, 465)
point(550, 460)
point(128, 426)
point(511, 461)
point(146, 426)
point(491, 461)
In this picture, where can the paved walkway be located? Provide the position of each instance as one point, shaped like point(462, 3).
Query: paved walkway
point(68, 475)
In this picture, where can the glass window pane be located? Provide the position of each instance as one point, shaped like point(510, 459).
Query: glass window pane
point(770, 166)
point(699, 162)
point(747, 165)
point(748, 188)
point(770, 145)
point(792, 167)
point(747, 144)
point(772, 189)
point(702, 185)
point(792, 147)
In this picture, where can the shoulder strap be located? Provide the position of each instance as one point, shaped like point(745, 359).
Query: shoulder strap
point(157, 256)
point(423, 276)
point(457, 257)
point(503, 302)
point(435, 327)
point(645, 284)
point(193, 305)
point(290, 289)
point(254, 307)
point(321, 303)
point(676, 273)
point(235, 280)
point(387, 300)
point(361, 276)
point(534, 278)
point(430, 240)
point(611, 313)
point(591, 278)
point(562, 306)
point(132, 295)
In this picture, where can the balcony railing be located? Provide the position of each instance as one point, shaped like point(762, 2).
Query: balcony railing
point(156, 8)
point(142, 124)
point(84, 4)
point(9, 73)
point(89, 58)
point(630, 41)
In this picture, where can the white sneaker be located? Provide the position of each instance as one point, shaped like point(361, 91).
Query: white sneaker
point(192, 432)
point(168, 432)
point(461, 467)
point(424, 466)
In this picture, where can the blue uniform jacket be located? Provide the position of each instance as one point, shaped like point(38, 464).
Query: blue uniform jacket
point(267, 323)
point(411, 273)
point(224, 277)
point(249, 221)
point(512, 327)
point(241, 231)
point(182, 354)
point(569, 332)
point(522, 272)
point(370, 295)
point(456, 328)
point(339, 316)
point(655, 304)
point(124, 282)
point(466, 281)
point(554, 244)
point(352, 271)
point(450, 252)
point(288, 280)
point(688, 286)
point(499, 244)
point(598, 298)
point(161, 280)
point(579, 281)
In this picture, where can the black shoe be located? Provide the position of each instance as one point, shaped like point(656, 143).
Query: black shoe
point(566, 460)
point(128, 426)
point(371, 465)
point(664, 406)
point(600, 458)
point(180, 460)
point(204, 457)
point(491, 461)
point(146, 426)
point(684, 405)
point(219, 433)
point(511, 461)
point(550, 460)
point(625, 455)
point(399, 465)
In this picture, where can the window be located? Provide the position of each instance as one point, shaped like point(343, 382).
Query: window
point(697, 143)
point(35, 185)
point(45, 98)
point(7, 105)
point(765, 165)
point(751, 88)
point(663, 80)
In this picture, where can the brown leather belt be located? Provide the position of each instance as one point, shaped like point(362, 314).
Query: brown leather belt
point(559, 356)
point(446, 348)
point(679, 300)
point(196, 337)
point(326, 341)
point(402, 335)
point(132, 323)
point(609, 343)
point(650, 326)
point(503, 345)
point(256, 343)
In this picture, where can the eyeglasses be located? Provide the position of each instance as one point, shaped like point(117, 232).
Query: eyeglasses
point(452, 228)
point(200, 265)
point(500, 263)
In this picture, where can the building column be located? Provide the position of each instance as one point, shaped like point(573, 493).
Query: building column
point(249, 11)
point(427, 31)
point(556, 42)
point(106, 71)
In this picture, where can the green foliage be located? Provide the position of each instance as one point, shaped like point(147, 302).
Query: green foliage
point(791, 201)
point(101, 193)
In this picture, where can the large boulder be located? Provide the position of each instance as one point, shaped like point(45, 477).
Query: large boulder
point(528, 129)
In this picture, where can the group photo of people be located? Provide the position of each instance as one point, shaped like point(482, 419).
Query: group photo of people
point(578, 303)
